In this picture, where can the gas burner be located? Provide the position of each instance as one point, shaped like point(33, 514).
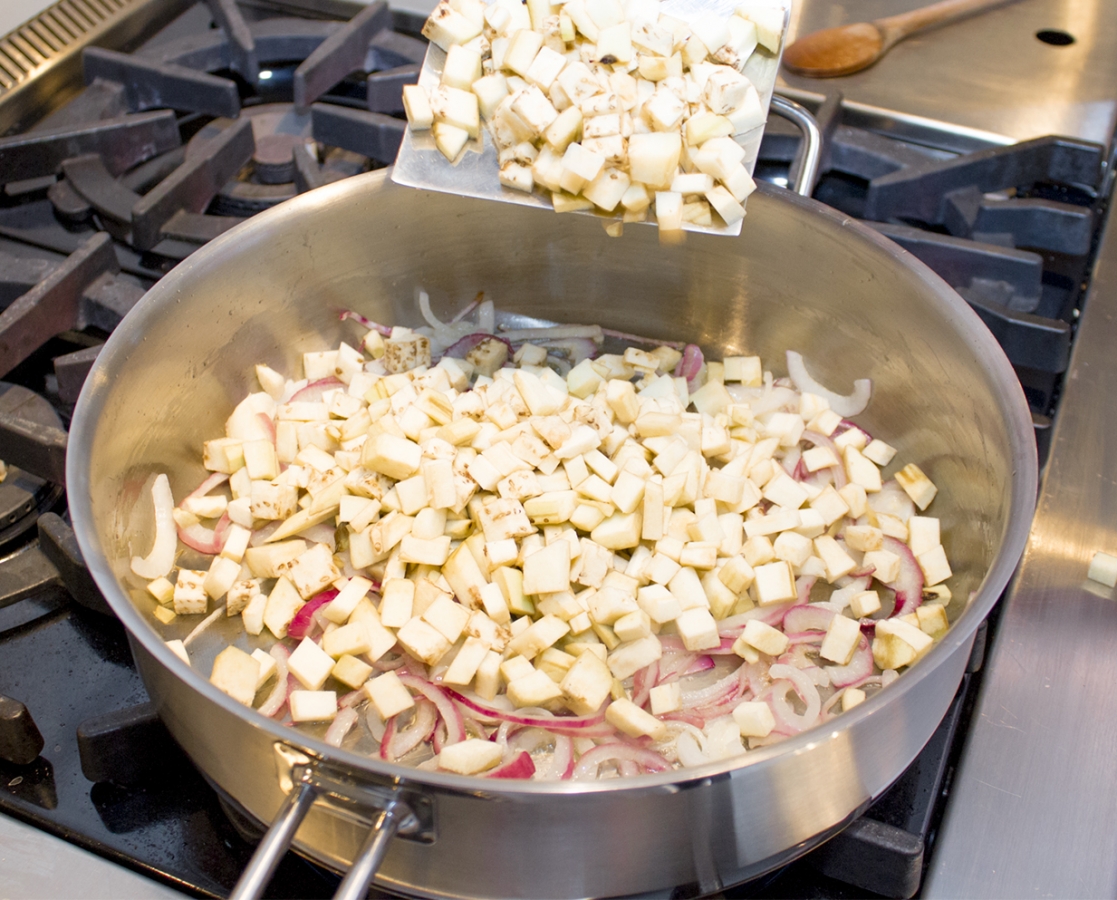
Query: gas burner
point(23, 497)
point(282, 135)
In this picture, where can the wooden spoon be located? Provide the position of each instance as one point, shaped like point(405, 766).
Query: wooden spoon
point(851, 48)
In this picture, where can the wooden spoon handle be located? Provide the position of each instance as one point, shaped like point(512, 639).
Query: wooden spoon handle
point(896, 28)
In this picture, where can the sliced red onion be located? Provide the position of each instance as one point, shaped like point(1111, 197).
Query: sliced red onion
point(268, 424)
point(399, 742)
point(206, 540)
point(792, 678)
point(560, 766)
point(673, 663)
point(314, 391)
point(277, 699)
point(843, 405)
point(368, 323)
point(689, 717)
point(340, 726)
point(581, 726)
point(590, 762)
point(857, 669)
point(909, 585)
point(812, 617)
point(716, 693)
point(440, 697)
point(212, 481)
point(301, 625)
point(161, 559)
point(389, 665)
point(375, 724)
point(521, 766)
point(690, 366)
point(804, 584)
point(643, 682)
point(702, 664)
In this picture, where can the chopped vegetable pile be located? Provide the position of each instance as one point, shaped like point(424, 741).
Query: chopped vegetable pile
point(605, 105)
point(523, 557)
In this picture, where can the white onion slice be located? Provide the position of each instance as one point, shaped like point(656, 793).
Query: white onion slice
point(845, 406)
point(161, 559)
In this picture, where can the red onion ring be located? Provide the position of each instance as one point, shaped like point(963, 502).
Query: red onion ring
point(858, 668)
point(812, 617)
point(617, 751)
point(212, 481)
point(643, 681)
point(314, 391)
point(447, 710)
point(716, 693)
point(578, 726)
point(269, 425)
point(300, 626)
point(340, 726)
point(909, 585)
point(368, 323)
point(206, 540)
point(398, 743)
point(793, 678)
point(690, 366)
point(702, 664)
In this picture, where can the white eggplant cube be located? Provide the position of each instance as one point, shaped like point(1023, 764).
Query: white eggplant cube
point(310, 664)
point(389, 695)
point(470, 756)
point(754, 718)
point(312, 706)
point(765, 638)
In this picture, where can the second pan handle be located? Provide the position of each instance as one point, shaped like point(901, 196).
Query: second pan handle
point(810, 151)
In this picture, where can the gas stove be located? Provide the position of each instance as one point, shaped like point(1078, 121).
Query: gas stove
point(135, 131)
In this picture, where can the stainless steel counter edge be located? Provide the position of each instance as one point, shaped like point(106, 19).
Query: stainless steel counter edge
point(1033, 809)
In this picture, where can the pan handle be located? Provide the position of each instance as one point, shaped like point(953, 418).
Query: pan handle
point(810, 151)
point(305, 780)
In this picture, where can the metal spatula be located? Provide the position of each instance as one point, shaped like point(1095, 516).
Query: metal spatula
point(475, 174)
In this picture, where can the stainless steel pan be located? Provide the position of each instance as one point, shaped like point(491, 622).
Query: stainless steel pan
point(801, 276)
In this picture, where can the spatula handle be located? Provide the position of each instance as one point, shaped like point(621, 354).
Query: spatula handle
point(896, 28)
